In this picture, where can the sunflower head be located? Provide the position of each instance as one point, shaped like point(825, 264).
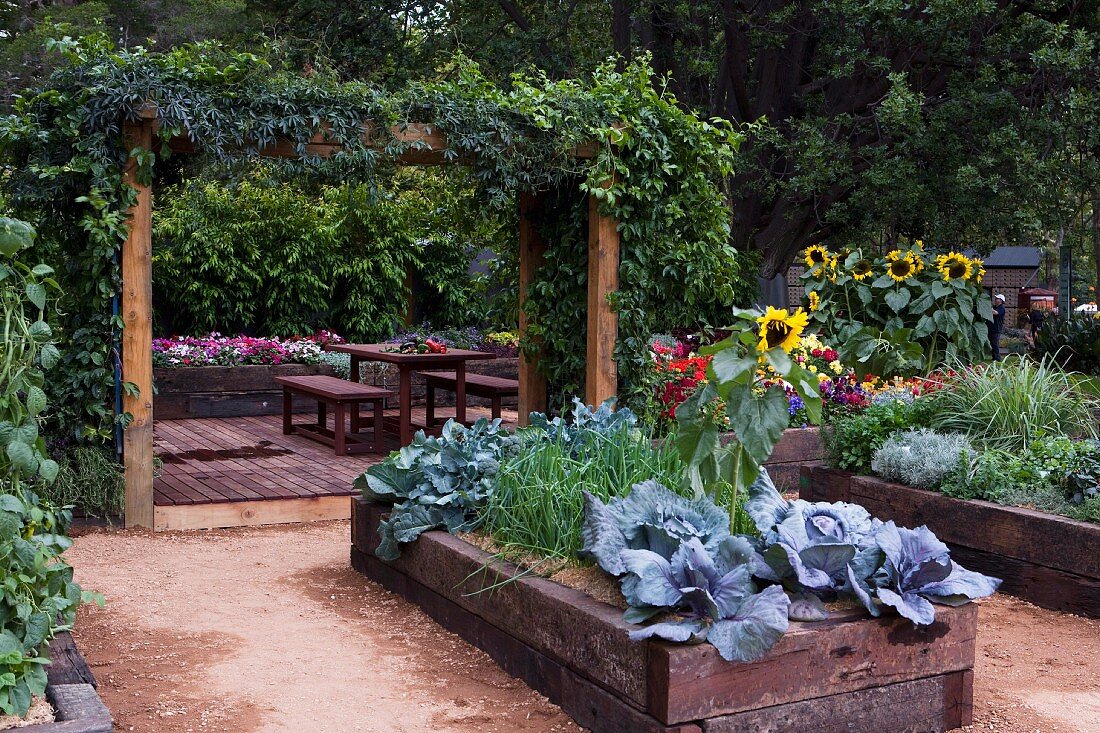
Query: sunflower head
point(979, 269)
point(816, 255)
point(955, 266)
point(900, 266)
point(815, 301)
point(780, 330)
point(863, 270)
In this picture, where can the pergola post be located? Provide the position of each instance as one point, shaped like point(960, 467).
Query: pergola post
point(532, 251)
point(601, 379)
point(137, 338)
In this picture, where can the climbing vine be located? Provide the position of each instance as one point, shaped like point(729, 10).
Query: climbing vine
point(656, 168)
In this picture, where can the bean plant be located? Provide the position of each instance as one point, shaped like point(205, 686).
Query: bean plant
point(39, 597)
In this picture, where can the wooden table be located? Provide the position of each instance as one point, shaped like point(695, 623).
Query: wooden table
point(454, 360)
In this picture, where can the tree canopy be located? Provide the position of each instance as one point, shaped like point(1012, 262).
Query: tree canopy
point(956, 121)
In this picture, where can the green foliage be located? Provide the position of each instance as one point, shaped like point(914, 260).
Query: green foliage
point(437, 482)
point(29, 350)
point(537, 507)
point(37, 594)
point(1074, 343)
point(757, 414)
point(1008, 404)
point(89, 478)
point(906, 314)
point(338, 258)
point(658, 169)
point(1056, 475)
point(852, 439)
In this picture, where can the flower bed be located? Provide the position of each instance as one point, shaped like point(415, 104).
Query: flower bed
point(876, 674)
point(1049, 560)
point(217, 350)
point(227, 391)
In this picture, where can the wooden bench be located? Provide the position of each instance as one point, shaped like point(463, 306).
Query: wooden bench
point(478, 385)
point(345, 398)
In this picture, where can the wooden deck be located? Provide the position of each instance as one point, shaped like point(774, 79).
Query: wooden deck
point(235, 471)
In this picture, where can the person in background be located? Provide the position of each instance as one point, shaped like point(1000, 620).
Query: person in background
point(997, 325)
point(1035, 318)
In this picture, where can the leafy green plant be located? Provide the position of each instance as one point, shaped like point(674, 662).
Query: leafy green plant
point(39, 597)
point(920, 458)
point(1073, 342)
point(538, 504)
point(437, 482)
point(853, 438)
point(91, 479)
point(737, 593)
point(906, 313)
point(757, 414)
point(1010, 403)
point(585, 426)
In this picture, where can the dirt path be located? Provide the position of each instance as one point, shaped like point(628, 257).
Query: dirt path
point(270, 630)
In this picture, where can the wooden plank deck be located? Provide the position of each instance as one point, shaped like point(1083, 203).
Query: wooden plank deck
point(233, 471)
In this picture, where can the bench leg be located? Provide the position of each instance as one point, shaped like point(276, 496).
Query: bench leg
point(288, 409)
point(322, 414)
point(496, 406)
point(460, 393)
point(340, 438)
point(429, 405)
point(379, 440)
point(354, 417)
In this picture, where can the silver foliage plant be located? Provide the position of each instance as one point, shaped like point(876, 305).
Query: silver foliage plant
point(920, 458)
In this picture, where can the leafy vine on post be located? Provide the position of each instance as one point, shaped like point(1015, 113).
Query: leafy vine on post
point(757, 414)
point(39, 597)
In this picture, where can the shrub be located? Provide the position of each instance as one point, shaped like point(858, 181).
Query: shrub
point(279, 258)
point(920, 458)
point(89, 478)
point(1010, 403)
point(1073, 342)
point(853, 438)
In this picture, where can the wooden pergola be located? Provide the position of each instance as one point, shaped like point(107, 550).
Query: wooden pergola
point(425, 146)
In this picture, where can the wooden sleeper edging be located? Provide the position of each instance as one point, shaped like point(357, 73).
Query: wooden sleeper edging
point(880, 674)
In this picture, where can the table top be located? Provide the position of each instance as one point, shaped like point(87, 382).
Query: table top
point(377, 352)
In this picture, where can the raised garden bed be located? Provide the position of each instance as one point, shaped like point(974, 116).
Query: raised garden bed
point(71, 689)
point(1051, 561)
point(227, 391)
point(797, 446)
point(850, 673)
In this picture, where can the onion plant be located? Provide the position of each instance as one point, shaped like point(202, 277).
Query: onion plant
point(1007, 404)
point(537, 507)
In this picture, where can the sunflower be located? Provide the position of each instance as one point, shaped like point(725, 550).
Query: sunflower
point(979, 269)
point(817, 255)
point(815, 300)
point(778, 330)
point(955, 266)
point(900, 266)
point(863, 270)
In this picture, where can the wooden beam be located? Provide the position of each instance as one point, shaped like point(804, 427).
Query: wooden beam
point(532, 254)
point(137, 338)
point(248, 513)
point(601, 379)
